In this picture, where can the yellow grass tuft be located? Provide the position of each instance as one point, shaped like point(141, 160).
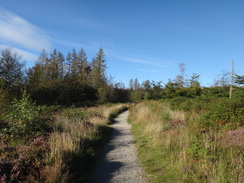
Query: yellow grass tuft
point(69, 135)
point(98, 120)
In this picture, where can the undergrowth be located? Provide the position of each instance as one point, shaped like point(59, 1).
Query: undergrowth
point(202, 143)
point(52, 144)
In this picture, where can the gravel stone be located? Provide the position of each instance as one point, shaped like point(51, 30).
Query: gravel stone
point(119, 161)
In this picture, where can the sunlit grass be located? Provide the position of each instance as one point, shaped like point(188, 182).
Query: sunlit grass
point(78, 134)
point(172, 147)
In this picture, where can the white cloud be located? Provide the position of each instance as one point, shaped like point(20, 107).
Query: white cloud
point(25, 55)
point(17, 31)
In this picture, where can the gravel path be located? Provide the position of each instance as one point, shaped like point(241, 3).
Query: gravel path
point(119, 162)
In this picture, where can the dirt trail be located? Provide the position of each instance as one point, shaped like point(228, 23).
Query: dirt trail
point(119, 162)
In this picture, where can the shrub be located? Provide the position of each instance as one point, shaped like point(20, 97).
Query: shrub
point(227, 113)
point(22, 118)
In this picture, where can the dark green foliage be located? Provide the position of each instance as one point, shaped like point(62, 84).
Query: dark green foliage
point(137, 95)
point(238, 92)
point(224, 114)
point(172, 90)
point(239, 80)
point(222, 91)
point(65, 93)
point(121, 95)
point(74, 82)
point(99, 66)
point(153, 90)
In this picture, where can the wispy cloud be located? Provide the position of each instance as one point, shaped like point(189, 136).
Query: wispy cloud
point(142, 60)
point(148, 70)
point(25, 55)
point(17, 31)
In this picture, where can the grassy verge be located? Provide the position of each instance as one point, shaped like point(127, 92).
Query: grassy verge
point(191, 145)
point(63, 151)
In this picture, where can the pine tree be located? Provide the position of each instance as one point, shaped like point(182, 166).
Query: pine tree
point(74, 64)
point(98, 70)
point(99, 79)
point(54, 66)
point(35, 75)
point(239, 79)
point(83, 65)
point(193, 82)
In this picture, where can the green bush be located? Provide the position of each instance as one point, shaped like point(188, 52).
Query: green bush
point(22, 118)
point(224, 112)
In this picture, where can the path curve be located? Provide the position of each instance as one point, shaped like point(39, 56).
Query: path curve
point(119, 161)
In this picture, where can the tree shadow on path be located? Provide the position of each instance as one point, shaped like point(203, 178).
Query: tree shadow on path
point(107, 167)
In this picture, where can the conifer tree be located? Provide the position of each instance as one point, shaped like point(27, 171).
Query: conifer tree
point(98, 70)
point(83, 66)
point(54, 66)
point(99, 79)
point(74, 64)
point(239, 79)
point(37, 73)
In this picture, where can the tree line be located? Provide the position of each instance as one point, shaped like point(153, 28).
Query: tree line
point(59, 79)
point(71, 79)
point(183, 86)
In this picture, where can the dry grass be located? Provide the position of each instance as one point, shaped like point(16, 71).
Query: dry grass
point(98, 120)
point(162, 139)
point(172, 149)
point(180, 115)
point(69, 135)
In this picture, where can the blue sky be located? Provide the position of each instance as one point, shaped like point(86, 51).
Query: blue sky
point(142, 39)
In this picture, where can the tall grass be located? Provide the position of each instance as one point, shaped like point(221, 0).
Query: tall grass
point(173, 146)
point(74, 144)
point(65, 152)
point(161, 140)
